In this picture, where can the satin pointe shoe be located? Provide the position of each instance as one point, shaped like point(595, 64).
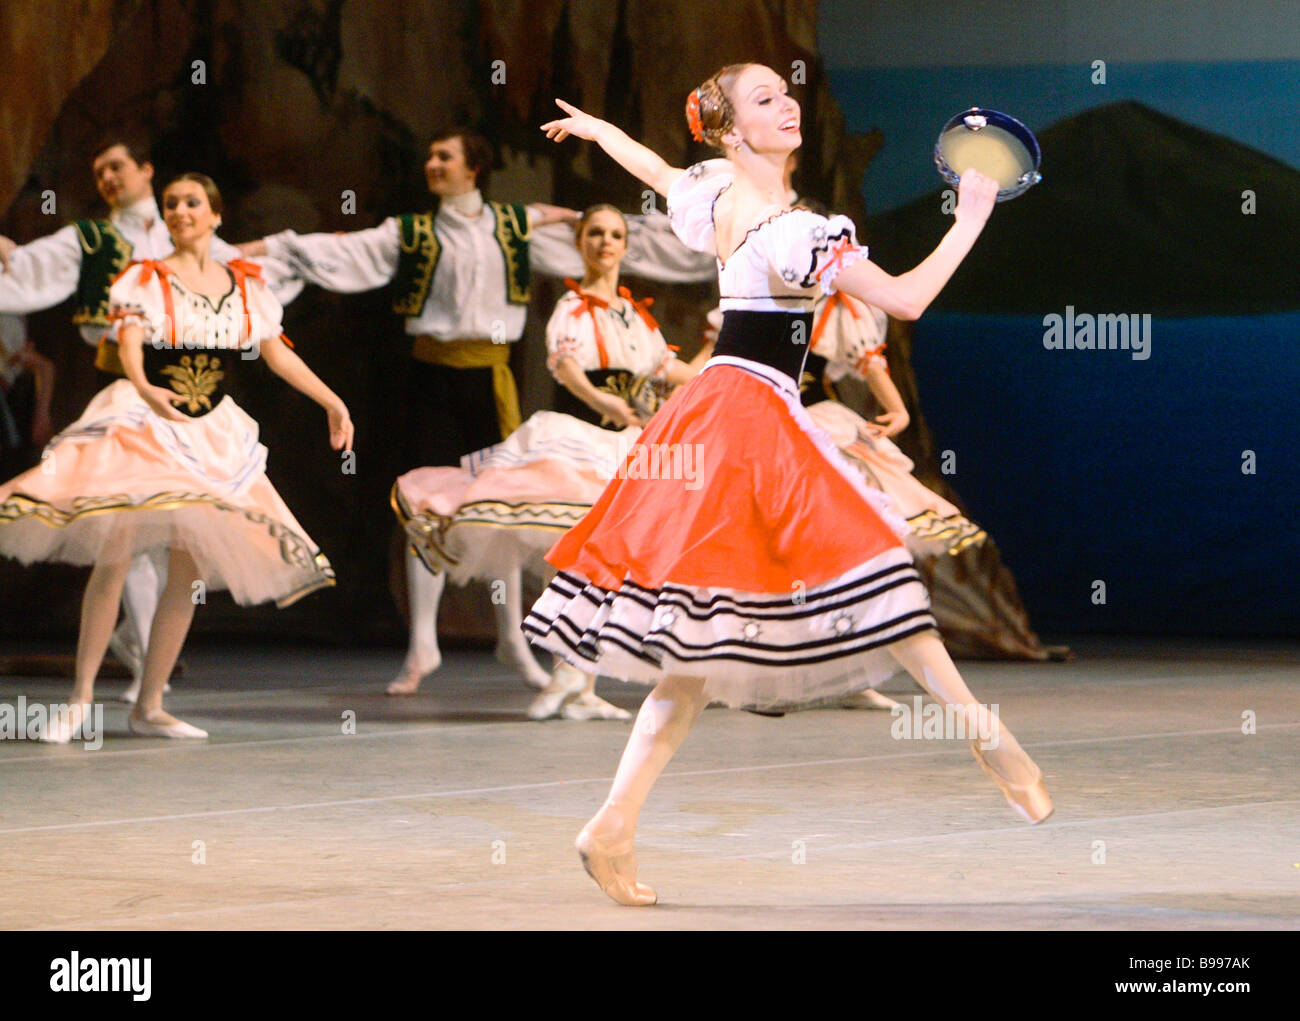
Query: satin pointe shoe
point(179, 729)
point(1030, 800)
point(598, 860)
point(868, 698)
point(590, 706)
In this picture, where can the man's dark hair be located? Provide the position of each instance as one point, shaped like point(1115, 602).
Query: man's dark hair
point(136, 147)
point(478, 152)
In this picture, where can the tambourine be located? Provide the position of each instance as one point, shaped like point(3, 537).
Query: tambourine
point(995, 144)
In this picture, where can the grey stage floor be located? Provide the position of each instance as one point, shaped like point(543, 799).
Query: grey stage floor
point(452, 810)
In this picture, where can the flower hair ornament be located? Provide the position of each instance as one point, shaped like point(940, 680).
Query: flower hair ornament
point(693, 115)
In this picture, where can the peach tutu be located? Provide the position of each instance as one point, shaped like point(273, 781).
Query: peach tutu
point(934, 525)
point(506, 505)
point(121, 480)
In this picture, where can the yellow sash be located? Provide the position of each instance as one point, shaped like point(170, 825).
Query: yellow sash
point(107, 358)
point(477, 354)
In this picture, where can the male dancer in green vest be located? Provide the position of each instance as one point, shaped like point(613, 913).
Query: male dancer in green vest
point(460, 275)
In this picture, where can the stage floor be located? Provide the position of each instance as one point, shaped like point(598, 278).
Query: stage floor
point(451, 810)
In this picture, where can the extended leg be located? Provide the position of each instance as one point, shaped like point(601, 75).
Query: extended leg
point(926, 659)
point(606, 843)
point(424, 593)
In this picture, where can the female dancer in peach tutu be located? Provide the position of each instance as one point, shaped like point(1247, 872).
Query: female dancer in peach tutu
point(499, 513)
point(166, 459)
point(777, 576)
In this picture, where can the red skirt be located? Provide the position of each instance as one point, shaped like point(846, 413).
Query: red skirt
point(736, 544)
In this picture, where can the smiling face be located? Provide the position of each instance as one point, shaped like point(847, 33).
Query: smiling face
point(602, 241)
point(767, 117)
point(446, 170)
point(121, 181)
point(188, 213)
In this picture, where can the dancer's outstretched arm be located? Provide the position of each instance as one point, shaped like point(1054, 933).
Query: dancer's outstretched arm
point(632, 156)
point(909, 294)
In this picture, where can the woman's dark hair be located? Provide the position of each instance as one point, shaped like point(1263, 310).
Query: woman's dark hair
point(209, 187)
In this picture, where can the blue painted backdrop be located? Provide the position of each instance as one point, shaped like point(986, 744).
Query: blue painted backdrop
point(1088, 465)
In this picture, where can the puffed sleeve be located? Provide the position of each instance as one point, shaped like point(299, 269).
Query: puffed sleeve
point(264, 311)
point(690, 203)
point(345, 263)
point(566, 333)
point(849, 334)
point(41, 274)
point(277, 273)
point(136, 299)
point(808, 251)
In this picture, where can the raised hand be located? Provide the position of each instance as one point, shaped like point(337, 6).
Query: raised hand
point(976, 195)
point(6, 246)
point(577, 124)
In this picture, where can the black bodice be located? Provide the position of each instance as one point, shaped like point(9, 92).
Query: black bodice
point(202, 376)
point(778, 339)
point(643, 393)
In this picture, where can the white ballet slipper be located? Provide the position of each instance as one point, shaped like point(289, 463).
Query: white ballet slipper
point(62, 727)
point(179, 729)
point(590, 706)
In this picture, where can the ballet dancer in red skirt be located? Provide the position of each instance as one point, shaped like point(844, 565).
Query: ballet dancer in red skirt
point(738, 557)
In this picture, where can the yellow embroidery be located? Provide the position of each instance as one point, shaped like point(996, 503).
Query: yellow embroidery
point(196, 381)
point(645, 394)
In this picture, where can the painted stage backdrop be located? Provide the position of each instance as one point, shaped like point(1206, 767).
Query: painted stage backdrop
point(1144, 489)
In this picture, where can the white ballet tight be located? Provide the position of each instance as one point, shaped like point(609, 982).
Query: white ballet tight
point(424, 591)
point(140, 593)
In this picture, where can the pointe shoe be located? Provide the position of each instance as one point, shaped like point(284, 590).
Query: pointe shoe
point(598, 860)
point(1030, 800)
point(179, 729)
point(61, 728)
point(869, 698)
point(590, 706)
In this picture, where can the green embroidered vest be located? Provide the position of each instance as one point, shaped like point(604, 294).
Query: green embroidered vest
point(104, 254)
point(417, 259)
